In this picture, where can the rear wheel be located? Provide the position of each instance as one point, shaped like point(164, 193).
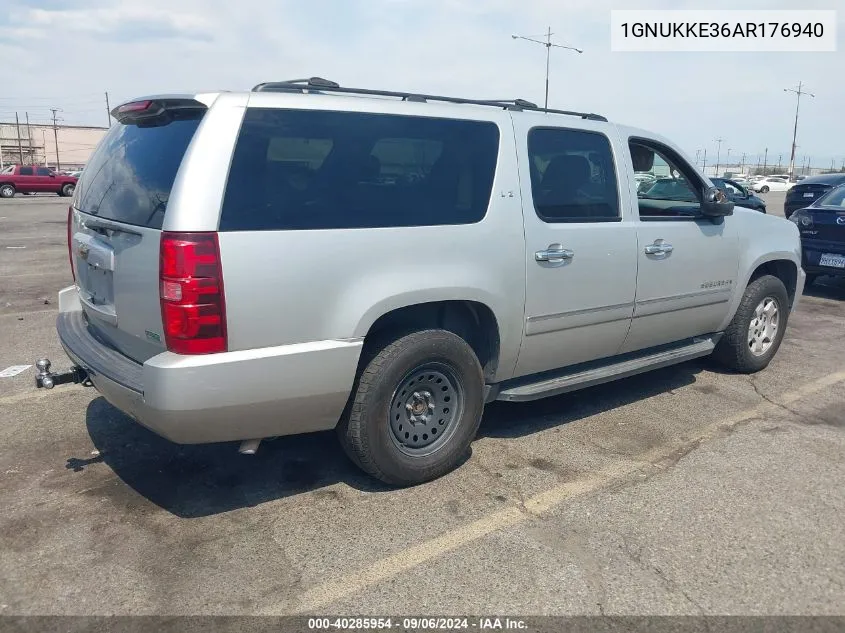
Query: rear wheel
point(756, 331)
point(764, 189)
point(415, 408)
point(67, 190)
point(7, 191)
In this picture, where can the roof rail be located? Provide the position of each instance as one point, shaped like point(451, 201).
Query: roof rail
point(318, 84)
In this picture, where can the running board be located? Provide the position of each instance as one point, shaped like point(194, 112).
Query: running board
point(581, 379)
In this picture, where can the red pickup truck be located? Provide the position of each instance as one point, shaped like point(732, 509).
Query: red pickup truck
point(34, 179)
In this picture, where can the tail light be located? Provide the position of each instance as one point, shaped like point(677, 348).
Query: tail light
point(193, 307)
point(70, 240)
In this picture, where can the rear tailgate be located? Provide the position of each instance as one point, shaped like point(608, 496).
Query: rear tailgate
point(118, 213)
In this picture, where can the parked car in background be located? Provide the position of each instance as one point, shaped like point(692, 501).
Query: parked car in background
point(822, 228)
point(669, 189)
point(809, 190)
point(771, 183)
point(739, 195)
point(644, 180)
point(34, 179)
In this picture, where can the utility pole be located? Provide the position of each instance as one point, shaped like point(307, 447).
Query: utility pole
point(808, 167)
point(765, 159)
point(798, 92)
point(108, 111)
point(718, 152)
point(780, 156)
point(20, 144)
point(742, 168)
point(704, 164)
point(831, 164)
point(728, 158)
point(697, 152)
point(548, 44)
point(44, 143)
point(56, 138)
point(29, 138)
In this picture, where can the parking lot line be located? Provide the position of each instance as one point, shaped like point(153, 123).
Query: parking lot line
point(324, 594)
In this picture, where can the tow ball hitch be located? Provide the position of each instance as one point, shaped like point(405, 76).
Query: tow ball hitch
point(47, 379)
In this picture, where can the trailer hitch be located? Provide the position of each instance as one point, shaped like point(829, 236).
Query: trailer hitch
point(47, 379)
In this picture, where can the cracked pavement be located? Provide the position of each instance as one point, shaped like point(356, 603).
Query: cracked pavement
point(682, 491)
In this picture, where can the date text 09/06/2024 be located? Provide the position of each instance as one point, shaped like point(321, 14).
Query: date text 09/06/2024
point(416, 623)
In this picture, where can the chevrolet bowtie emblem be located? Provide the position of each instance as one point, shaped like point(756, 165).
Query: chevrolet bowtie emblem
point(83, 251)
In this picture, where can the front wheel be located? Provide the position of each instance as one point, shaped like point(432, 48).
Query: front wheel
point(415, 408)
point(764, 189)
point(756, 331)
point(7, 191)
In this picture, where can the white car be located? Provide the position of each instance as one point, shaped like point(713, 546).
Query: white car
point(771, 183)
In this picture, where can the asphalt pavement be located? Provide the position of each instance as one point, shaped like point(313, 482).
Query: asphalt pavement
point(687, 490)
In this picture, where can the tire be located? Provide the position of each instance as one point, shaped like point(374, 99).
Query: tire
point(735, 349)
point(67, 190)
point(764, 189)
point(389, 429)
point(7, 191)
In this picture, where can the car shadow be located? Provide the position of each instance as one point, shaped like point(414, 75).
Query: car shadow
point(827, 288)
point(192, 481)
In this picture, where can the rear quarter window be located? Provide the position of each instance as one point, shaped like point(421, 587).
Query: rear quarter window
point(310, 169)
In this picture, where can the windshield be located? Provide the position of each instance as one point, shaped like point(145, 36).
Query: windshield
point(129, 177)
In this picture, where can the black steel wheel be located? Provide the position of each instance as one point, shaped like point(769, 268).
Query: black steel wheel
point(415, 408)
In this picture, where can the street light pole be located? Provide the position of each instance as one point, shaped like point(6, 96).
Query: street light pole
point(798, 92)
point(718, 151)
point(549, 45)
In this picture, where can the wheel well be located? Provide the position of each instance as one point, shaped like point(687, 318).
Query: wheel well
point(784, 270)
point(472, 321)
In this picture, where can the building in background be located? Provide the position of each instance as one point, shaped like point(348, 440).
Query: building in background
point(35, 144)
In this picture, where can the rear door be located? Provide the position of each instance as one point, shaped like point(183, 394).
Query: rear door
point(45, 180)
point(581, 243)
point(26, 180)
point(119, 210)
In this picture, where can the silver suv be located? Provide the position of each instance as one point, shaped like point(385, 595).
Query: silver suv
point(305, 257)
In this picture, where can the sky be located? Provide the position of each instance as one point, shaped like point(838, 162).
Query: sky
point(66, 54)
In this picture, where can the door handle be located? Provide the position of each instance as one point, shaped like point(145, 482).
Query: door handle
point(554, 253)
point(660, 247)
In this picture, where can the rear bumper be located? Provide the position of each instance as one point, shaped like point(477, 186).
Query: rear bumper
point(219, 397)
point(812, 251)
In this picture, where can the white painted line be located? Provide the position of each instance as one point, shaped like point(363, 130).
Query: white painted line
point(320, 596)
point(16, 247)
point(14, 370)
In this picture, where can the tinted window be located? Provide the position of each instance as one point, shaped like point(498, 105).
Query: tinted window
point(295, 169)
point(26, 171)
point(43, 171)
point(835, 198)
point(130, 175)
point(572, 176)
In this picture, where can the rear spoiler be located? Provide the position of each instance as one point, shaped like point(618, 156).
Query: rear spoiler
point(157, 110)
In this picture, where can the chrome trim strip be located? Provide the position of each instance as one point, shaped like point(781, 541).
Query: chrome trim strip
point(569, 313)
point(686, 295)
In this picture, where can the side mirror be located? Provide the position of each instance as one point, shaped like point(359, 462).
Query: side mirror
point(715, 203)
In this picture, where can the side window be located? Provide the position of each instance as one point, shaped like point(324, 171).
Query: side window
point(312, 169)
point(675, 190)
point(43, 171)
point(573, 178)
point(26, 171)
point(731, 189)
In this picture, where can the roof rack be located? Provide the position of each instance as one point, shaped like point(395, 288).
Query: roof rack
point(318, 84)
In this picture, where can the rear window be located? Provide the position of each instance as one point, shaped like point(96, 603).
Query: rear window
point(301, 169)
point(129, 176)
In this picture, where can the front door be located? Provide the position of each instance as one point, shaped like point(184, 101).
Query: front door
point(687, 264)
point(581, 246)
